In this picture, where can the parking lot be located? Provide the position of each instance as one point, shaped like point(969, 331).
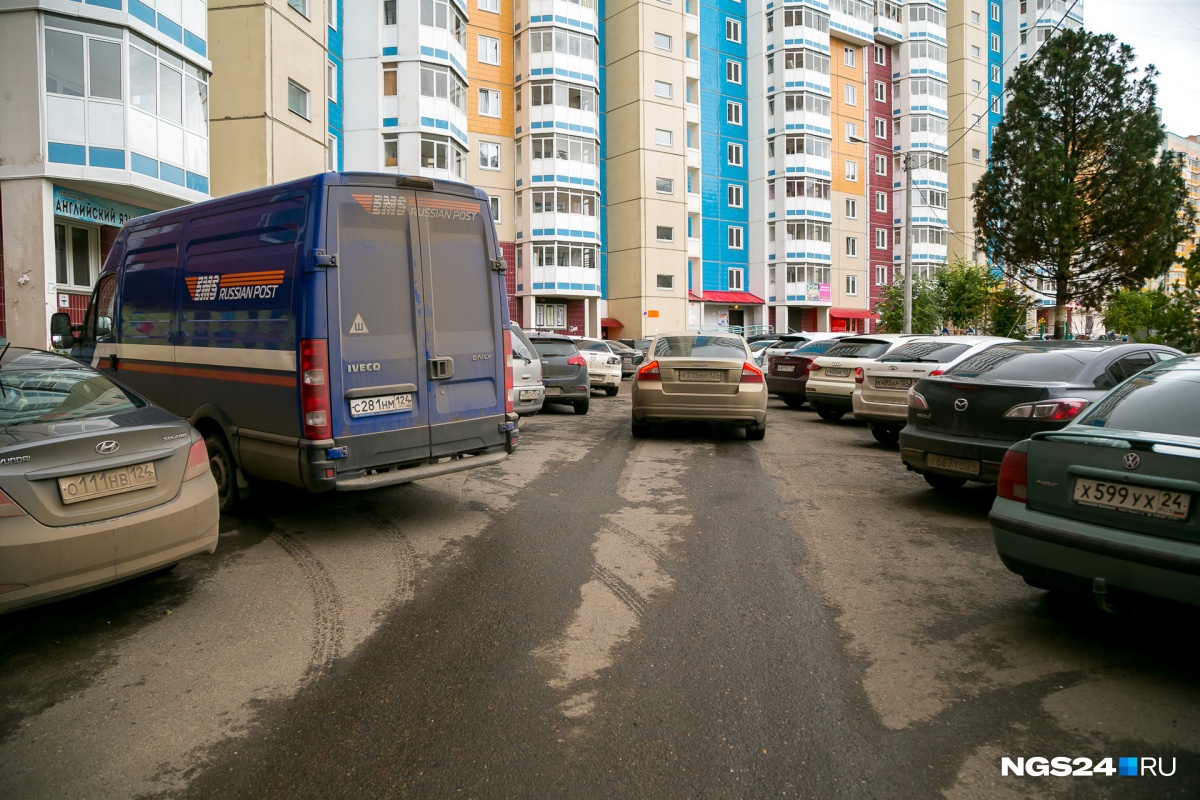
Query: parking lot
point(687, 615)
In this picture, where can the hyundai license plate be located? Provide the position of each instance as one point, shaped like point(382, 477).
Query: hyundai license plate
point(1133, 499)
point(837, 372)
point(785, 368)
point(893, 383)
point(78, 488)
point(383, 404)
point(708, 375)
point(965, 466)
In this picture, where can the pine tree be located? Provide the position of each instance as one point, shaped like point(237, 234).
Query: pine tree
point(1079, 190)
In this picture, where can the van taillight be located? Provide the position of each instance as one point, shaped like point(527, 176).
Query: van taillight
point(197, 463)
point(314, 388)
point(508, 372)
point(1013, 482)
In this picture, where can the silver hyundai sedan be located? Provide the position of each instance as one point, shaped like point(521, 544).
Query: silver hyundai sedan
point(97, 484)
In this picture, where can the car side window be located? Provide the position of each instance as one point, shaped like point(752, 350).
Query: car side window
point(519, 349)
point(1111, 376)
point(1135, 362)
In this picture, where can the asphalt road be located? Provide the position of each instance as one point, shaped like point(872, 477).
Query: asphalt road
point(691, 615)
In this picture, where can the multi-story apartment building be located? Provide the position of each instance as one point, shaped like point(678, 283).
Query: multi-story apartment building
point(1189, 148)
point(106, 117)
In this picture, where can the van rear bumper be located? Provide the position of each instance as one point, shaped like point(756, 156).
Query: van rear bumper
point(374, 480)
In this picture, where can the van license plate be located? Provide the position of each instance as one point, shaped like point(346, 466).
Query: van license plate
point(1134, 499)
point(965, 466)
point(383, 404)
point(78, 488)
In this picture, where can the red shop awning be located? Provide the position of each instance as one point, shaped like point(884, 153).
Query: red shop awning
point(852, 313)
point(730, 298)
point(609, 322)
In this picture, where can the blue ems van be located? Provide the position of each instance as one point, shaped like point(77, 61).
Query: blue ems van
point(340, 332)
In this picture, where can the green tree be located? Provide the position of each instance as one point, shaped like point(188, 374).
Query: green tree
point(926, 307)
point(1077, 190)
point(1179, 324)
point(1135, 312)
point(1008, 310)
point(965, 290)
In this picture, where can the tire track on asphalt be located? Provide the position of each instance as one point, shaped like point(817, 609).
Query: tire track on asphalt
point(406, 558)
point(660, 558)
point(623, 591)
point(327, 605)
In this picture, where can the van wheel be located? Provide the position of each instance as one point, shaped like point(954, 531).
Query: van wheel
point(830, 414)
point(224, 470)
point(581, 406)
point(611, 391)
point(944, 483)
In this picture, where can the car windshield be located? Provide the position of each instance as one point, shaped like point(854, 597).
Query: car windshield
point(56, 394)
point(700, 346)
point(1022, 363)
point(927, 352)
point(1156, 401)
point(863, 349)
point(550, 348)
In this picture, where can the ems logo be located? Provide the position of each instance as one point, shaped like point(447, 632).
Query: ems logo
point(387, 205)
point(235, 286)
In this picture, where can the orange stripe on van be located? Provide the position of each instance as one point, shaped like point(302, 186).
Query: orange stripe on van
point(209, 373)
point(450, 205)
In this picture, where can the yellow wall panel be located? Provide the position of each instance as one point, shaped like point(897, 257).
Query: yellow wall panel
point(841, 75)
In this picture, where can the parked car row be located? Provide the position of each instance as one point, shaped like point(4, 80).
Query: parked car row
point(1094, 446)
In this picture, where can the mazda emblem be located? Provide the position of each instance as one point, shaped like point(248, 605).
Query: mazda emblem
point(1131, 461)
point(960, 404)
point(106, 447)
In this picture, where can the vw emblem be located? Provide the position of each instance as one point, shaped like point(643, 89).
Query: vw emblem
point(1131, 461)
point(106, 447)
point(960, 404)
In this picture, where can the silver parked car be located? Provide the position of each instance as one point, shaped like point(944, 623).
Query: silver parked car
point(528, 393)
point(97, 484)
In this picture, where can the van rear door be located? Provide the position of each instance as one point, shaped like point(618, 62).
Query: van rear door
point(463, 318)
point(376, 334)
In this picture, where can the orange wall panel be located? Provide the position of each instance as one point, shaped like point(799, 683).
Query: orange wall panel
point(841, 75)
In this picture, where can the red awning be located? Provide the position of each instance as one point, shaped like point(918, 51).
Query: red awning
point(730, 298)
point(609, 322)
point(852, 313)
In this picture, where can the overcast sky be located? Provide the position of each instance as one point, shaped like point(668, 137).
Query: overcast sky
point(1165, 33)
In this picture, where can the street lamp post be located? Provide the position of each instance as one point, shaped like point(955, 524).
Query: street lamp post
point(906, 327)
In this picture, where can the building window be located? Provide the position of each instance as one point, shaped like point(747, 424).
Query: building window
point(662, 89)
point(331, 13)
point(390, 151)
point(489, 155)
point(664, 233)
point(880, 55)
point(733, 71)
point(489, 50)
point(662, 138)
point(995, 43)
point(331, 82)
point(976, 154)
point(733, 154)
point(490, 5)
point(76, 254)
point(733, 195)
point(299, 5)
point(489, 103)
point(881, 91)
point(664, 185)
point(851, 208)
point(996, 12)
point(666, 282)
point(733, 112)
point(735, 280)
point(881, 234)
point(494, 202)
point(733, 30)
point(389, 82)
point(976, 86)
point(975, 51)
point(851, 94)
point(546, 315)
point(881, 201)
point(851, 131)
point(881, 165)
point(389, 12)
point(881, 276)
point(662, 41)
point(440, 152)
point(851, 247)
point(331, 154)
point(851, 280)
point(995, 105)
point(851, 170)
point(975, 18)
point(881, 131)
point(995, 74)
point(735, 237)
point(297, 99)
point(849, 56)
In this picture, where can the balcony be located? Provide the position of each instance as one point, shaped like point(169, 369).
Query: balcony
point(575, 281)
point(694, 248)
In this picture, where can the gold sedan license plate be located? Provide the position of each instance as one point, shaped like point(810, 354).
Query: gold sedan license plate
point(965, 466)
point(1133, 499)
point(90, 485)
point(383, 404)
point(709, 375)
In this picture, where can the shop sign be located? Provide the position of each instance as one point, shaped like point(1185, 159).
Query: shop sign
point(816, 292)
point(98, 210)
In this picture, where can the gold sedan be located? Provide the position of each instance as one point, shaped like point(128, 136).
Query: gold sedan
point(700, 377)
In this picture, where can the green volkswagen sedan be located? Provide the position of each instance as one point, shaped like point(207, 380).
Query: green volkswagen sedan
point(1108, 504)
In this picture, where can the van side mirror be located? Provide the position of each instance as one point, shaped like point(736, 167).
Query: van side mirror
point(61, 336)
point(104, 326)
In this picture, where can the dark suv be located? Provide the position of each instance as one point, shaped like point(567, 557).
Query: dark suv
point(564, 371)
point(961, 423)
